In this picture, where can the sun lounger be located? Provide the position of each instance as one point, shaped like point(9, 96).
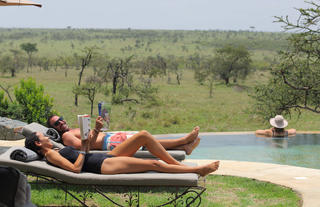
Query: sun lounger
point(35, 127)
point(188, 181)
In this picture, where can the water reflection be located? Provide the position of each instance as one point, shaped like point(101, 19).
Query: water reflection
point(279, 142)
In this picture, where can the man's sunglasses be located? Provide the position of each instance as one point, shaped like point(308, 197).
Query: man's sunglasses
point(56, 123)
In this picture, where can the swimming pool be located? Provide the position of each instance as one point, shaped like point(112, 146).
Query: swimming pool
point(301, 150)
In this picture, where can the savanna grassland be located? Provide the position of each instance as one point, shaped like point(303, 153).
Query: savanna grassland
point(181, 107)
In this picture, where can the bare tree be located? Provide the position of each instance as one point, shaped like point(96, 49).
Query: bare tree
point(85, 61)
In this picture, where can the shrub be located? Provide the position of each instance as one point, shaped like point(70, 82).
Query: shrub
point(3, 104)
point(34, 105)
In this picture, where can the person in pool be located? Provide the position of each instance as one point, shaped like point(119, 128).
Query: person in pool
point(278, 123)
point(119, 160)
point(72, 137)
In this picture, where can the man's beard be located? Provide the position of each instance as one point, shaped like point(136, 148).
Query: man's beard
point(64, 130)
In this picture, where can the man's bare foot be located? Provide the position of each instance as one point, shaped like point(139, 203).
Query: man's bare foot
point(188, 148)
point(192, 135)
point(207, 169)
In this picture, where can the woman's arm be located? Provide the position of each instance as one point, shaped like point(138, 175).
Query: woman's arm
point(291, 132)
point(56, 159)
point(266, 132)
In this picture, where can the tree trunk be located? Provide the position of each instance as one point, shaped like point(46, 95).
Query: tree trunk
point(114, 83)
point(178, 78)
point(226, 80)
point(91, 108)
point(79, 82)
point(211, 88)
point(12, 72)
point(92, 94)
point(76, 99)
point(85, 62)
point(29, 63)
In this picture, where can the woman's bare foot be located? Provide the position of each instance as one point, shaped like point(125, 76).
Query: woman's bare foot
point(207, 169)
point(188, 148)
point(192, 135)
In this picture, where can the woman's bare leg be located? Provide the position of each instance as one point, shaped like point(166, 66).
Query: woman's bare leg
point(175, 143)
point(116, 165)
point(143, 138)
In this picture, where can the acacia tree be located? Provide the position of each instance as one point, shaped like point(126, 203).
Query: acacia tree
point(116, 71)
point(18, 61)
point(89, 89)
point(29, 48)
point(174, 67)
point(11, 63)
point(119, 72)
point(85, 61)
point(232, 62)
point(208, 65)
point(43, 63)
point(66, 62)
point(153, 66)
point(194, 62)
point(295, 81)
point(206, 72)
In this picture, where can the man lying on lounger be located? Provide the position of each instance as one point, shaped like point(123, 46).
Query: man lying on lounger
point(72, 137)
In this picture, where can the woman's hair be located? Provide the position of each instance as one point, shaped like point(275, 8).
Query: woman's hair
point(278, 130)
point(30, 143)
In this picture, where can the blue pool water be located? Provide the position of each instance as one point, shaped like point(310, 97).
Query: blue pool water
point(301, 150)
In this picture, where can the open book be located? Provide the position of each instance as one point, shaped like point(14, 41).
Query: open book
point(84, 125)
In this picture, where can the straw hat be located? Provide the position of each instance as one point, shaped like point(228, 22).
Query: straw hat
point(278, 122)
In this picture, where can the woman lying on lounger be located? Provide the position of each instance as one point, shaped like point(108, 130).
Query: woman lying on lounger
point(72, 137)
point(119, 160)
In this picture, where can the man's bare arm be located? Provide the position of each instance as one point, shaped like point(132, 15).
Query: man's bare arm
point(95, 132)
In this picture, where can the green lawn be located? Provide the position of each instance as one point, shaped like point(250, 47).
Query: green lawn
point(221, 191)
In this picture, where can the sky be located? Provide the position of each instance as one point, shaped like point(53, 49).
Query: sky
point(152, 14)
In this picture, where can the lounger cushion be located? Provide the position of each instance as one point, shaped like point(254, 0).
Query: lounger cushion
point(133, 179)
point(35, 127)
point(24, 154)
point(27, 130)
point(51, 133)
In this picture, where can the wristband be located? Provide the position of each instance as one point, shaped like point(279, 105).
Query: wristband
point(96, 130)
point(82, 152)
